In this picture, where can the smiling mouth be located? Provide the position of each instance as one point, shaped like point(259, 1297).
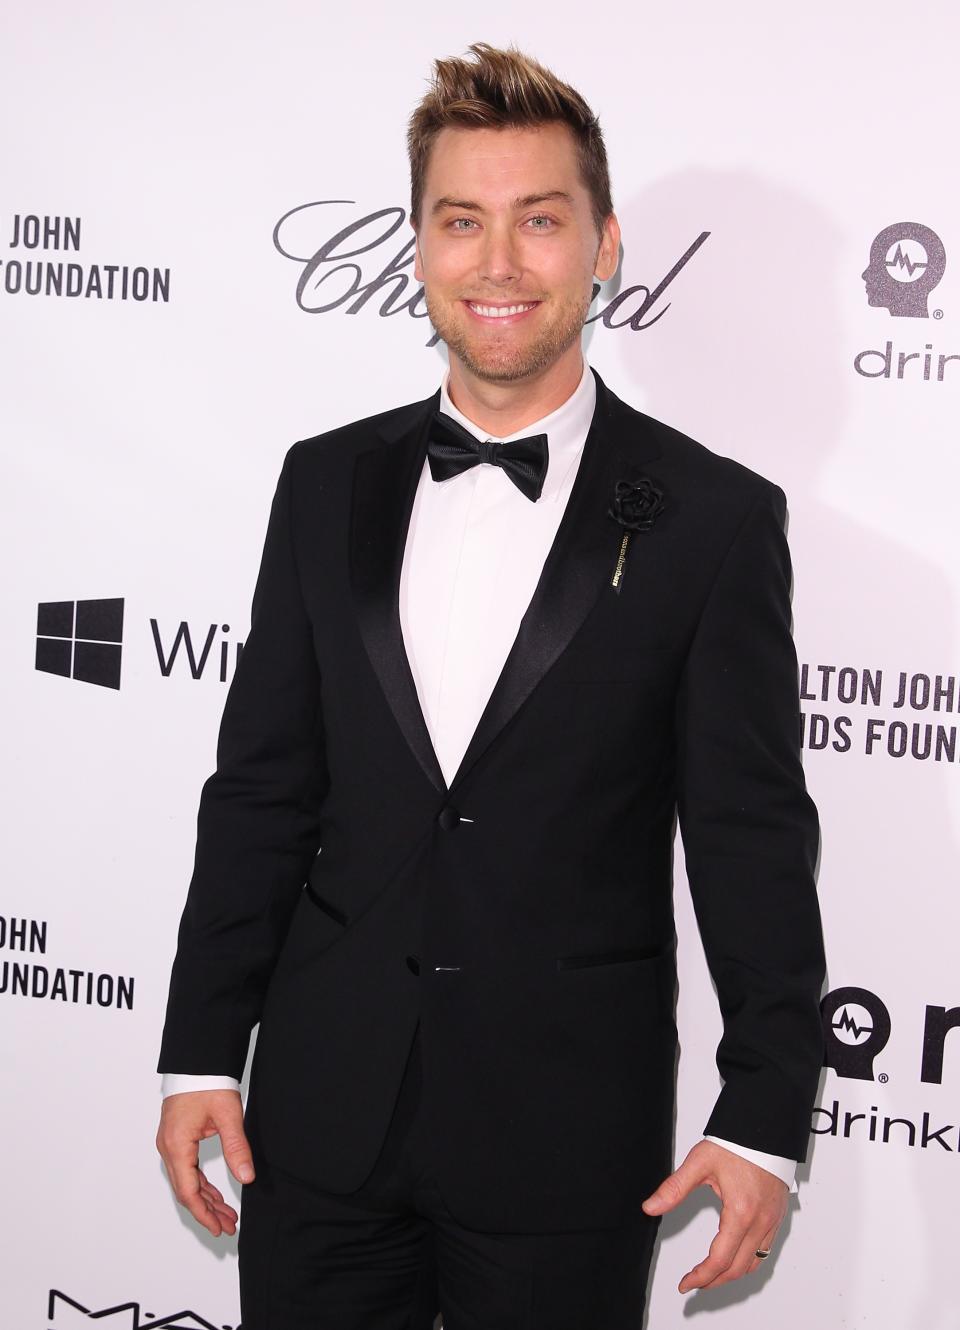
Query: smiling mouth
point(500, 313)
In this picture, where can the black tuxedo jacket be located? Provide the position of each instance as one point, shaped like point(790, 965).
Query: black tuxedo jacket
point(340, 896)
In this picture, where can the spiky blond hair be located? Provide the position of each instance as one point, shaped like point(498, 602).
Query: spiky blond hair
point(505, 87)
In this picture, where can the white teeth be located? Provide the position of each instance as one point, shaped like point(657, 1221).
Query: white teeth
point(493, 312)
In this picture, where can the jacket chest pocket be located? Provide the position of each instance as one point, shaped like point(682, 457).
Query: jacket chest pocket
point(618, 665)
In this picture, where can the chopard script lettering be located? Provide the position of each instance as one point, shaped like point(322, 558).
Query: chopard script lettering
point(332, 276)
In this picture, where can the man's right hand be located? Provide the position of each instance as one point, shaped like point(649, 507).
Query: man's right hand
point(185, 1121)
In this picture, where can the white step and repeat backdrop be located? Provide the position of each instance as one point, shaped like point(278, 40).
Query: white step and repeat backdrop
point(204, 255)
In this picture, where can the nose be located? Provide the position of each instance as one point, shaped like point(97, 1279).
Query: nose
point(499, 259)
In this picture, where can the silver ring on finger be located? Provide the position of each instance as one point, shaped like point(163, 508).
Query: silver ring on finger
point(762, 1253)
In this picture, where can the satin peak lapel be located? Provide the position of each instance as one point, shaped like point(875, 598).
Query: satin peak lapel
point(384, 485)
point(577, 569)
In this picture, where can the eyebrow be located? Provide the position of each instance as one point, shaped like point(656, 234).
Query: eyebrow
point(527, 201)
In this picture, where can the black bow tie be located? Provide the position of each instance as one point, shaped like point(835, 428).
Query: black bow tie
point(452, 449)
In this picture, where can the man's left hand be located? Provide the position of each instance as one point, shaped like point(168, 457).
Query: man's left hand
point(753, 1204)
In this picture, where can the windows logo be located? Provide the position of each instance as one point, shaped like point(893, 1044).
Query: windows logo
point(81, 639)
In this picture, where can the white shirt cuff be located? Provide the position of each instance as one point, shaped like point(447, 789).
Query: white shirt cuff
point(784, 1169)
point(178, 1083)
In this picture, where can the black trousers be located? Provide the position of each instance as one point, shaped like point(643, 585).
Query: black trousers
point(390, 1256)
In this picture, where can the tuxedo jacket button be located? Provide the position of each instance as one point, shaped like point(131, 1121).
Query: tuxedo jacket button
point(449, 818)
point(413, 964)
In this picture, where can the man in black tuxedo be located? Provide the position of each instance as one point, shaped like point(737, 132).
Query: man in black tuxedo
point(500, 638)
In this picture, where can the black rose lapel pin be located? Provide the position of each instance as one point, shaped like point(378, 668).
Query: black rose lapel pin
point(636, 506)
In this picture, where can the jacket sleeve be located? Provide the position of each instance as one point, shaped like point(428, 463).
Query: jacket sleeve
point(751, 837)
point(258, 821)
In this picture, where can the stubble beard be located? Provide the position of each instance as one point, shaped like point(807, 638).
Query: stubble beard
point(504, 360)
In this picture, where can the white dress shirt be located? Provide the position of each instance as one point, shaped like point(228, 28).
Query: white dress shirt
point(475, 549)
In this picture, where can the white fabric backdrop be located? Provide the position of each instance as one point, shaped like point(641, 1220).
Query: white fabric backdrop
point(143, 438)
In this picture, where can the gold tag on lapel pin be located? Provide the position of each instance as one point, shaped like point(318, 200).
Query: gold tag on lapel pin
point(618, 571)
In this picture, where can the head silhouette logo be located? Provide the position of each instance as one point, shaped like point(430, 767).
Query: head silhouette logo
point(856, 1026)
point(907, 260)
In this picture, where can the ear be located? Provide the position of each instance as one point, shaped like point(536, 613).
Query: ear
point(608, 253)
point(417, 261)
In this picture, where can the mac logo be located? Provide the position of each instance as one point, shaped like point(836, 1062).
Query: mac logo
point(65, 1313)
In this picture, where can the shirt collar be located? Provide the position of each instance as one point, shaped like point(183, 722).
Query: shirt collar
point(566, 429)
